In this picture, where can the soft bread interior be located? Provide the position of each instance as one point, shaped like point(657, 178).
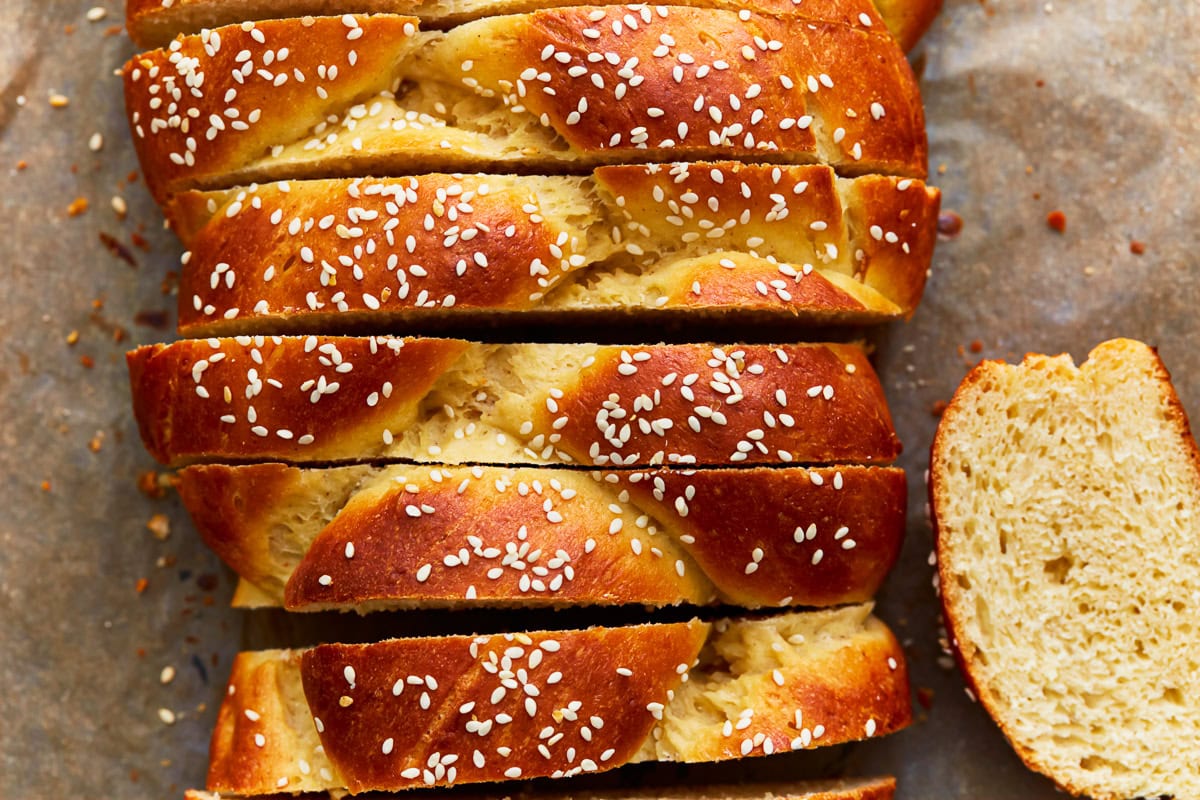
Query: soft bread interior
point(736, 675)
point(1067, 504)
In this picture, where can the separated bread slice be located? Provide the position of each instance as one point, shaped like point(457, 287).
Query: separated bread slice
point(710, 239)
point(1066, 502)
point(562, 89)
point(455, 710)
point(153, 23)
point(366, 538)
point(839, 789)
point(323, 399)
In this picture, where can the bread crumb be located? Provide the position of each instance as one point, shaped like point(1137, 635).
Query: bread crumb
point(77, 207)
point(1057, 221)
point(167, 716)
point(160, 526)
point(59, 100)
point(167, 675)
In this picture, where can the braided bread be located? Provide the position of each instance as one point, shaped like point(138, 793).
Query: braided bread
point(435, 711)
point(448, 401)
point(564, 88)
point(705, 238)
point(838, 789)
point(153, 23)
point(366, 538)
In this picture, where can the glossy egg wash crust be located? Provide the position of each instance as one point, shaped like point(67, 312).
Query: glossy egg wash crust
point(701, 239)
point(407, 713)
point(330, 399)
point(366, 538)
point(554, 90)
point(154, 23)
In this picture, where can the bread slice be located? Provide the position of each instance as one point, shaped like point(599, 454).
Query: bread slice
point(423, 712)
point(153, 23)
point(839, 789)
point(1067, 501)
point(709, 239)
point(831, 789)
point(367, 538)
point(322, 399)
point(555, 90)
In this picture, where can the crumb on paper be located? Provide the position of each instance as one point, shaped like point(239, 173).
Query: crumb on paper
point(73, 338)
point(87, 362)
point(119, 206)
point(45, 486)
point(96, 142)
point(96, 442)
point(141, 585)
point(1137, 248)
point(96, 13)
point(153, 484)
point(77, 207)
point(167, 716)
point(949, 224)
point(59, 100)
point(159, 526)
point(167, 675)
point(1057, 221)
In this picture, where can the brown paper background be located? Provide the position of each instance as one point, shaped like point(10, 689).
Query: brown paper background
point(1086, 107)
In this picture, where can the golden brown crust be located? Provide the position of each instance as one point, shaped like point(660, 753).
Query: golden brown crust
point(836, 789)
point(588, 659)
point(742, 85)
point(739, 536)
point(338, 398)
point(893, 224)
point(407, 713)
point(222, 398)
point(908, 20)
point(841, 416)
point(320, 254)
point(955, 608)
point(182, 122)
point(150, 24)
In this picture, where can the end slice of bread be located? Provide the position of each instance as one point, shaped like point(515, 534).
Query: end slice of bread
point(1066, 503)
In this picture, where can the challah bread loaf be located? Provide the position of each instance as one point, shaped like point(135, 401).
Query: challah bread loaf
point(366, 538)
point(836, 789)
point(154, 23)
point(709, 238)
point(329, 399)
point(1067, 501)
point(455, 710)
point(561, 89)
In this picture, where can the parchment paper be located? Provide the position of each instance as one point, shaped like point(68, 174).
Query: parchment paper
point(1088, 108)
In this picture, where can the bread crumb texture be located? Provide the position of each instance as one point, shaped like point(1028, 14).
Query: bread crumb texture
point(1065, 499)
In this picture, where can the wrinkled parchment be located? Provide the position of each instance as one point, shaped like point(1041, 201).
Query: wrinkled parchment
point(1089, 108)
